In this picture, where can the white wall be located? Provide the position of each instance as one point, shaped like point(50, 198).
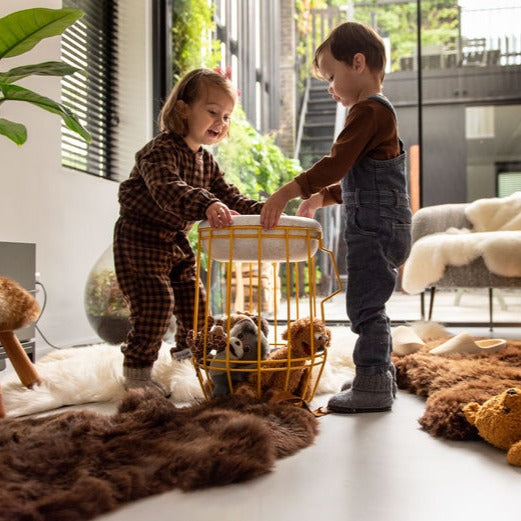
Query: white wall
point(69, 215)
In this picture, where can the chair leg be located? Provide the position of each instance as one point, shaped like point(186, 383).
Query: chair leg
point(431, 302)
point(490, 308)
point(422, 305)
point(18, 357)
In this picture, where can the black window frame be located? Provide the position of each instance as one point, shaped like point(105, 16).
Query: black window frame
point(91, 44)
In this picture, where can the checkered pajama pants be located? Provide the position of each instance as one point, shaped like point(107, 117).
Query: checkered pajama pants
point(155, 269)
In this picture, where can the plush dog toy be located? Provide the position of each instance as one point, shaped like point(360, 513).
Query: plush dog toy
point(243, 344)
point(300, 345)
point(498, 421)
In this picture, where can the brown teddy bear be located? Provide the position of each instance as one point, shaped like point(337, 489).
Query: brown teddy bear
point(498, 421)
point(300, 346)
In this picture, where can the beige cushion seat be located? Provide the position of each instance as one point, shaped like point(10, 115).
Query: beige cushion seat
point(293, 239)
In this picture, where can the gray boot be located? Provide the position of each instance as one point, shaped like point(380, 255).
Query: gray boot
point(369, 393)
point(392, 369)
point(140, 378)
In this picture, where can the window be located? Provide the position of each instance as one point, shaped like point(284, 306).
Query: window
point(90, 44)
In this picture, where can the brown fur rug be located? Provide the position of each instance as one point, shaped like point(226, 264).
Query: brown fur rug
point(76, 465)
point(449, 382)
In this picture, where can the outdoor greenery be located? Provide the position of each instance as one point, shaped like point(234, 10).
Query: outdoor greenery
point(192, 45)
point(20, 31)
point(440, 21)
point(252, 161)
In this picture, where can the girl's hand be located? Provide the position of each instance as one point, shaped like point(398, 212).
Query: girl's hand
point(219, 215)
point(308, 207)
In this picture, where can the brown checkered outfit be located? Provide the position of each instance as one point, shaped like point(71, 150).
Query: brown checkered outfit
point(169, 188)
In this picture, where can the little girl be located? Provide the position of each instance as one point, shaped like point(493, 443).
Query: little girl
point(175, 182)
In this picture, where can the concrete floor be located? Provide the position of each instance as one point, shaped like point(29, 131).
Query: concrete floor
point(368, 467)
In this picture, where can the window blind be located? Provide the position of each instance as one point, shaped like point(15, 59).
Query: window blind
point(91, 44)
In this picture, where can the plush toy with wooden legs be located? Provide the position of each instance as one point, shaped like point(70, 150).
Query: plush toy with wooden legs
point(18, 308)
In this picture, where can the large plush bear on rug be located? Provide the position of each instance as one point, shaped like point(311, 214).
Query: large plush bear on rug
point(498, 421)
point(452, 381)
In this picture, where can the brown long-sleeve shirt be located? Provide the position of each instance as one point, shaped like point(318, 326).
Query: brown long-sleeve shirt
point(370, 130)
point(172, 186)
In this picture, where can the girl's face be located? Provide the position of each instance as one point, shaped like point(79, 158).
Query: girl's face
point(208, 117)
point(345, 84)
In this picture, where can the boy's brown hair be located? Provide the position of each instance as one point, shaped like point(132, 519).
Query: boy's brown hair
point(351, 38)
point(188, 89)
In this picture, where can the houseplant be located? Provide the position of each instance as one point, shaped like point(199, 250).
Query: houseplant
point(20, 31)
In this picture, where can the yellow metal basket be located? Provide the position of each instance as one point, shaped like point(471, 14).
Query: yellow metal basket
point(248, 262)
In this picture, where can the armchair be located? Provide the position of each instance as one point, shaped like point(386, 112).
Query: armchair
point(451, 258)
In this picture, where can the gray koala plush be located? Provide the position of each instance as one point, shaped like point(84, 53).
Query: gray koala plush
point(242, 346)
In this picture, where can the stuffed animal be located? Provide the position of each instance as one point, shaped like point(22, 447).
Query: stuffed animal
point(300, 345)
point(217, 373)
point(498, 421)
point(243, 344)
point(239, 315)
point(215, 337)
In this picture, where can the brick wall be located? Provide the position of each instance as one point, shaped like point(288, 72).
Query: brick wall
point(288, 79)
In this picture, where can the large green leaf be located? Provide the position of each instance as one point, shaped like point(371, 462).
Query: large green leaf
point(17, 93)
point(22, 30)
point(14, 131)
point(52, 68)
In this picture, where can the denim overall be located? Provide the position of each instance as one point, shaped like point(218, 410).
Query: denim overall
point(378, 237)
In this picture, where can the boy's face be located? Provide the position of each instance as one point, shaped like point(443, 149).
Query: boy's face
point(345, 84)
point(208, 117)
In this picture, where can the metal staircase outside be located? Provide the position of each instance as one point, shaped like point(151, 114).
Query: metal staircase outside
point(318, 124)
point(317, 130)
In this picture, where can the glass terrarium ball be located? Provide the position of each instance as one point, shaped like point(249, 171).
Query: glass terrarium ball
point(105, 306)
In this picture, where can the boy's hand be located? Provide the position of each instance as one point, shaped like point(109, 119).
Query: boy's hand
point(272, 210)
point(308, 207)
point(274, 206)
point(219, 215)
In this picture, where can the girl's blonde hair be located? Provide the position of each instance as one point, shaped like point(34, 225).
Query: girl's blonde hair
point(351, 38)
point(188, 89)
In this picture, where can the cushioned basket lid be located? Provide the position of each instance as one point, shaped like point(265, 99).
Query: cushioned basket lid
point(241, 241)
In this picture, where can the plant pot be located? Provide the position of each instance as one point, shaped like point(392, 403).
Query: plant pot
point(105, 305)
point(112, 329)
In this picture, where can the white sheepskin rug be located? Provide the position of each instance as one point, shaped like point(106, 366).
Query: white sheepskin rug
point(496, 236)
point(94, 374)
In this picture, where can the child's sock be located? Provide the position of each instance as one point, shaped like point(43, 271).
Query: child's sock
point(369, 393)
point(392, 369)
point(140, 378)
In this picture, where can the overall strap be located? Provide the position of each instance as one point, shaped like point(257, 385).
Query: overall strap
point(384, 101)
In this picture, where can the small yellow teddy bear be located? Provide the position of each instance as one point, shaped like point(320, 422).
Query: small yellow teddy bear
point(498, 421)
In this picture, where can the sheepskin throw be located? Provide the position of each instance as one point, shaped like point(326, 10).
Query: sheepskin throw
point(76, 465)
point(450, 382)
point(495, 236)
point(94, 374)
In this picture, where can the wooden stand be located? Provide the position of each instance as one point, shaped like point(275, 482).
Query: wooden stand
point(21, 362)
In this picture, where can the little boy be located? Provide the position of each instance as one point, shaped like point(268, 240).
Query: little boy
point(365, 171)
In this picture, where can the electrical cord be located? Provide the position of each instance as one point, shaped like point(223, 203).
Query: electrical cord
point(42, 309)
